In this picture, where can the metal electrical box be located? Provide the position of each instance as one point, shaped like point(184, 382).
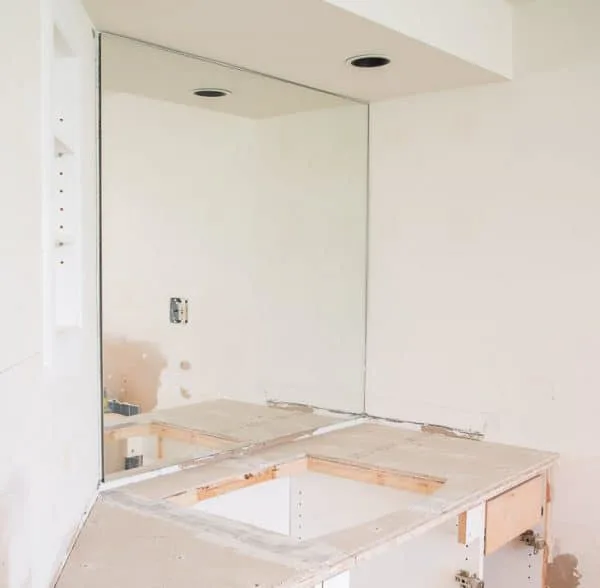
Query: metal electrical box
point(178, 311)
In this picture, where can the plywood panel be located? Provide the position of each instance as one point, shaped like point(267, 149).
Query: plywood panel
point(513, 512)
point(97, 562)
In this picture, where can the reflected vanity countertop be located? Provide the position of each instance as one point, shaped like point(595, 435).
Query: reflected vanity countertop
point(217, 426)
point(241, 421)
point(149, 533)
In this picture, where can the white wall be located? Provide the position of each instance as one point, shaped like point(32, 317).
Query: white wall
point(484, 274)
point(20, 279)
point(311, 236)
point(177, 196)
point(48, 400)
point(261, 225)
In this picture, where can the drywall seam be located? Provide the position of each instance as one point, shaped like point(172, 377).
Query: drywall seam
point(16, 364)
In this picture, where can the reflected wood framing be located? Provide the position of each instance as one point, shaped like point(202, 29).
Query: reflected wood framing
point(495, 492)
point(216, 426)
point(164, 431)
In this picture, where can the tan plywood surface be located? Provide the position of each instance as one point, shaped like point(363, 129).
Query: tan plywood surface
point(233, 425)
point(470, 472)
point(243, 421)
point(514, 512)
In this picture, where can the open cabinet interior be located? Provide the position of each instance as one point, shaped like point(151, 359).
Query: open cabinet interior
point(233, 252)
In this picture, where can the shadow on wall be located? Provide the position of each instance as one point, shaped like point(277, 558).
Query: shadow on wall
point(563, 572)
point(132, 371)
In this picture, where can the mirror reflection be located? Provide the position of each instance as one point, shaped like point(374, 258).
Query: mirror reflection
point(233, 211)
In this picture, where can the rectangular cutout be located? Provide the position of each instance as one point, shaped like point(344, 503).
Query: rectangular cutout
point(513, 512)
point(304, 506)
point(397, 480)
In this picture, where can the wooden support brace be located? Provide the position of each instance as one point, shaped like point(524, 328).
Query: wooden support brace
point(413, 482)
point(351, 471)
point(126, 431)
point(167, 431)
point(195, 495)
point(513, 512)
point(547, 530)
point(191, 436)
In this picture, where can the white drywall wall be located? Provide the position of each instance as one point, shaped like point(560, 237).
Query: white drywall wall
point(49, 456)
point(311, 257)
point(478, 31)
point(20, 279)
point(484, 274)
point(261, 225)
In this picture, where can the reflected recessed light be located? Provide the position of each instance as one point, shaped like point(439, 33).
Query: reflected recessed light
point(369, 61)
point(211, 92)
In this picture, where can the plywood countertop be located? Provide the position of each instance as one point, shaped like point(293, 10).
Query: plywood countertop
point(144, 536)
point(226, 425)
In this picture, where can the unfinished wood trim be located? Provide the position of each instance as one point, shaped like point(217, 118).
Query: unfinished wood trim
point(126, 431)
point(462, 528)
point(191, 436)
point(411, 481)
point(250, 479)
point(226, 485)
point(398, 480)
point(547, 538)
point(167, 431)
point(160, 447)
point(513, 512)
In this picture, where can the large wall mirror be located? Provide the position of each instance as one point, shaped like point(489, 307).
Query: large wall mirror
point(233, 215)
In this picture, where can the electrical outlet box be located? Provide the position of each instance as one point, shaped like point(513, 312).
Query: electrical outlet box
point(178, 311)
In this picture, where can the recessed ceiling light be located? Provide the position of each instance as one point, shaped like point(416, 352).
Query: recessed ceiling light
point(369, 61)
point(211, 93)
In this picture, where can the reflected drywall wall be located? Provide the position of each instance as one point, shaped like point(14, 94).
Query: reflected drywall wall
point(178, 195)
point(261, 226)
point(311, 258)
point(484, 275)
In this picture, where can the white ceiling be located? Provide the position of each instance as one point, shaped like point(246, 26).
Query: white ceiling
point(135, 68)
point(306, 41)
